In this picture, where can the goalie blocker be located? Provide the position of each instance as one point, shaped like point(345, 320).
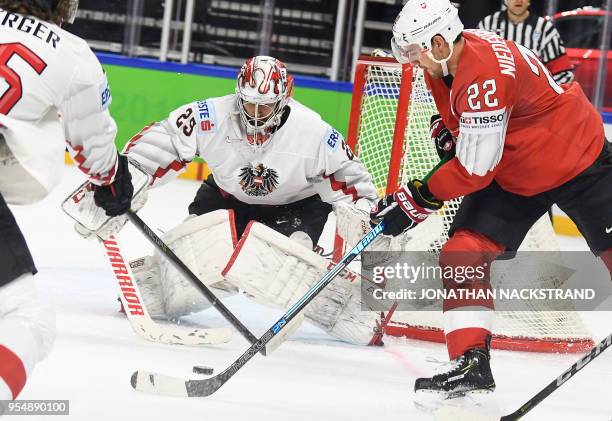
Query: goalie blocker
point(269, 267)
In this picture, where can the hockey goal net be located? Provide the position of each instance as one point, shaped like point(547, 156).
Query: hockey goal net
point(389, 131)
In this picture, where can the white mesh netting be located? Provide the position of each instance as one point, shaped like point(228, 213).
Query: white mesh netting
point(377, 122)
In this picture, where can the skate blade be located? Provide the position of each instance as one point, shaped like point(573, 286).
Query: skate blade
point(471, 407)
point(431, 401)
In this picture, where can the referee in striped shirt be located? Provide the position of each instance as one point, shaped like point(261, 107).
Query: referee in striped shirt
point(518, 24)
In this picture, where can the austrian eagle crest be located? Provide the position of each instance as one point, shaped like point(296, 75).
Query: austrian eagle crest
point(258, 180)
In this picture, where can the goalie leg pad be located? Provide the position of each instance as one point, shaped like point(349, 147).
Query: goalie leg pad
point(204, 243)
point(146, 274)
point(278, 271)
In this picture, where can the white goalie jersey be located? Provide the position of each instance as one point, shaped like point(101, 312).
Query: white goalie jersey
point(53, 94)
point(304, 157)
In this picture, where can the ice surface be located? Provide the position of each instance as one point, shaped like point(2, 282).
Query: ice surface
point(311, 377)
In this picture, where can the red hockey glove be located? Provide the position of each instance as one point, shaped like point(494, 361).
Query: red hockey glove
point(442, 137)
point(405, 209)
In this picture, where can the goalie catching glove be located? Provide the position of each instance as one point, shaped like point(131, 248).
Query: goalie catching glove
point(94, 207)
point(405, 209)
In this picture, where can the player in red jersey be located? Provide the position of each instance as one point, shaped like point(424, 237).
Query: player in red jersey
point(521, 143)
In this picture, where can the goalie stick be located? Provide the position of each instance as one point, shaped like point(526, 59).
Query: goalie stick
point(161, 384)
point(137, 314)
point(450, 413)
point(195, 281)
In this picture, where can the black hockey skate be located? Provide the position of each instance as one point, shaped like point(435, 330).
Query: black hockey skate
point(469, 374)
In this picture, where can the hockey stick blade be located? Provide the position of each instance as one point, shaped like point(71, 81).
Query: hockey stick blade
point(451, 413)
point(160, 384)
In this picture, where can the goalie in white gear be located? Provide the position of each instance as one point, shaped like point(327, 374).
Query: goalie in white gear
point(53, 91)
point(273, 161)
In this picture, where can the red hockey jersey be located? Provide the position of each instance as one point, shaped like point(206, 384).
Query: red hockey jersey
point(513, 123)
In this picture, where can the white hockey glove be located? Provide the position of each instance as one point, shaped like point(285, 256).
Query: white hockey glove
point(92, 220)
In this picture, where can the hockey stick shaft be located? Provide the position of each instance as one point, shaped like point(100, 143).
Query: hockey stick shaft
point(187, 273)
point(555, 384)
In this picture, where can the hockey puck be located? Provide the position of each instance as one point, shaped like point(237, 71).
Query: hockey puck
point(202, 369)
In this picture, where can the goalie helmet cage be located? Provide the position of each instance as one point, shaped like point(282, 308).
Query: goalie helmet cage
point(391, 101)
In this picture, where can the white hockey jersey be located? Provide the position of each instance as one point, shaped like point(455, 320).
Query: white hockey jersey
point(304, 157)
point(53, 91)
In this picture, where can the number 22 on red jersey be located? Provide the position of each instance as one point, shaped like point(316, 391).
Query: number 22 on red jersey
point(484, 121)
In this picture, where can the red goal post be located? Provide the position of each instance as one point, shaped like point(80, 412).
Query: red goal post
point(399, 128)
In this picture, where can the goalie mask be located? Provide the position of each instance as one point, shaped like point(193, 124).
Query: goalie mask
point(263, 89)
point(418, 22)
